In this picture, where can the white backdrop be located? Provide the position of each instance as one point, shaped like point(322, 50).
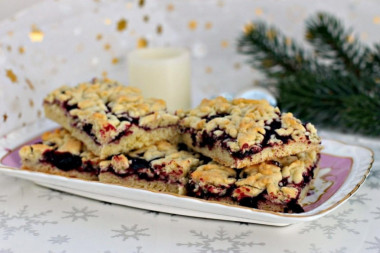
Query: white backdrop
point(65, 42)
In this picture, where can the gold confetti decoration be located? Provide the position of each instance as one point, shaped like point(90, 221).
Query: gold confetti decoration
point(208, 70)
point(146, 18)
point(107, 21)
point(170, 7)
point(104, 74)
point(224, 43)
point(350, 39)
point(19, 115)
point(5, 117)
point(141, 3)
point(271, 34)
point(122, 25)
point(259, 11)
point(31, 103)
point(237, 65)
point(36, 35)
point(220, 3)
point(10, 33)
point(208, 25)
point(192, 24)
point(107, 46)
point(159, 29)
point(376, 20)
point(142, 43)
point(21, 50)
point(9, 48)
point(288, 41)
point(39, 113)
point(129, 5)
point(248, 28)
point(115, 60)
point(11, 75)
point(29, 83)
point(99, 36)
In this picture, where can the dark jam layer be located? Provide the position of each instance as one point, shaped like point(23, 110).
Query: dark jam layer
point(206, 192)
point(292, 206)
point(143, 169)
point(87, 128)
point(209, 140)
point(66, 161)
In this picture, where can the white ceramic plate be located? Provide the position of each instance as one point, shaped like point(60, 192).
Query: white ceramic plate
point(343, 169)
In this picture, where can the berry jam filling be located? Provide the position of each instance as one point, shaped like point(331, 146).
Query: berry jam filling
point(69, 107)
point(209, 191)
point(292, 206)
point(66, 161)
point(87, 128)
point(211, 117)
point(210, 139)
point(143, 169)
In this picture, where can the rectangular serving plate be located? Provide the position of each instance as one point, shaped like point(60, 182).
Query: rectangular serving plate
point(343, 169)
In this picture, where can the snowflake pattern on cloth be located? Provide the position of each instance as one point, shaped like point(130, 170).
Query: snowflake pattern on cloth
point(221, 241)
point(22, 221)
point(332, 223)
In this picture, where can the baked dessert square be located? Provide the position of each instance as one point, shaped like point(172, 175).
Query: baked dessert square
point(160, 167)
point(60, 154)
point(213, 181)
point(277, 185)
point(242, 132)
point(110, 118)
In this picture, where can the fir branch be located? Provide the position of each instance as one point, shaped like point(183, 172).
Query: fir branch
point(333, 42)
point(273, 53)
point(339, 88)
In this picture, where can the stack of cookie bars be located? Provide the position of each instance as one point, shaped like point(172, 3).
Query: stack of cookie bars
point(240, 152)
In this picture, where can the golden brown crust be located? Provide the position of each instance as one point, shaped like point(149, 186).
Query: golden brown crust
point(108, 110)
point(268, 177)
point(47, 168)
point(138, 138)
point(221, 155)
point(163, 157)
point(214, 174)
point(135, 182)
point(240, 126)
point(58, 140)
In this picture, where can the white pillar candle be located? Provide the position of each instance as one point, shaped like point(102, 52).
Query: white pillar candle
point(162, 73)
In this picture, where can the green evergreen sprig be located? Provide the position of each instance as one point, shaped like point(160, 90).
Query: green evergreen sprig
point(337, 85)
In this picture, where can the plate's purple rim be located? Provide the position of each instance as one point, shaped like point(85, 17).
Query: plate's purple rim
point(295, 215)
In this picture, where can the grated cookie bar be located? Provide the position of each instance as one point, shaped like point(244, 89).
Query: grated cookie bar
point(60, 154)
point(242, 132)
point(277, 185)
point(110, 118)
point(160, 167)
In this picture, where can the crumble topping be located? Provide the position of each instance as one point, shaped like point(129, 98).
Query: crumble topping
point(60, 143)
point(162, 156)
point(107, 108)
point(247, 124)
point(214, 174)
point(269, 176)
